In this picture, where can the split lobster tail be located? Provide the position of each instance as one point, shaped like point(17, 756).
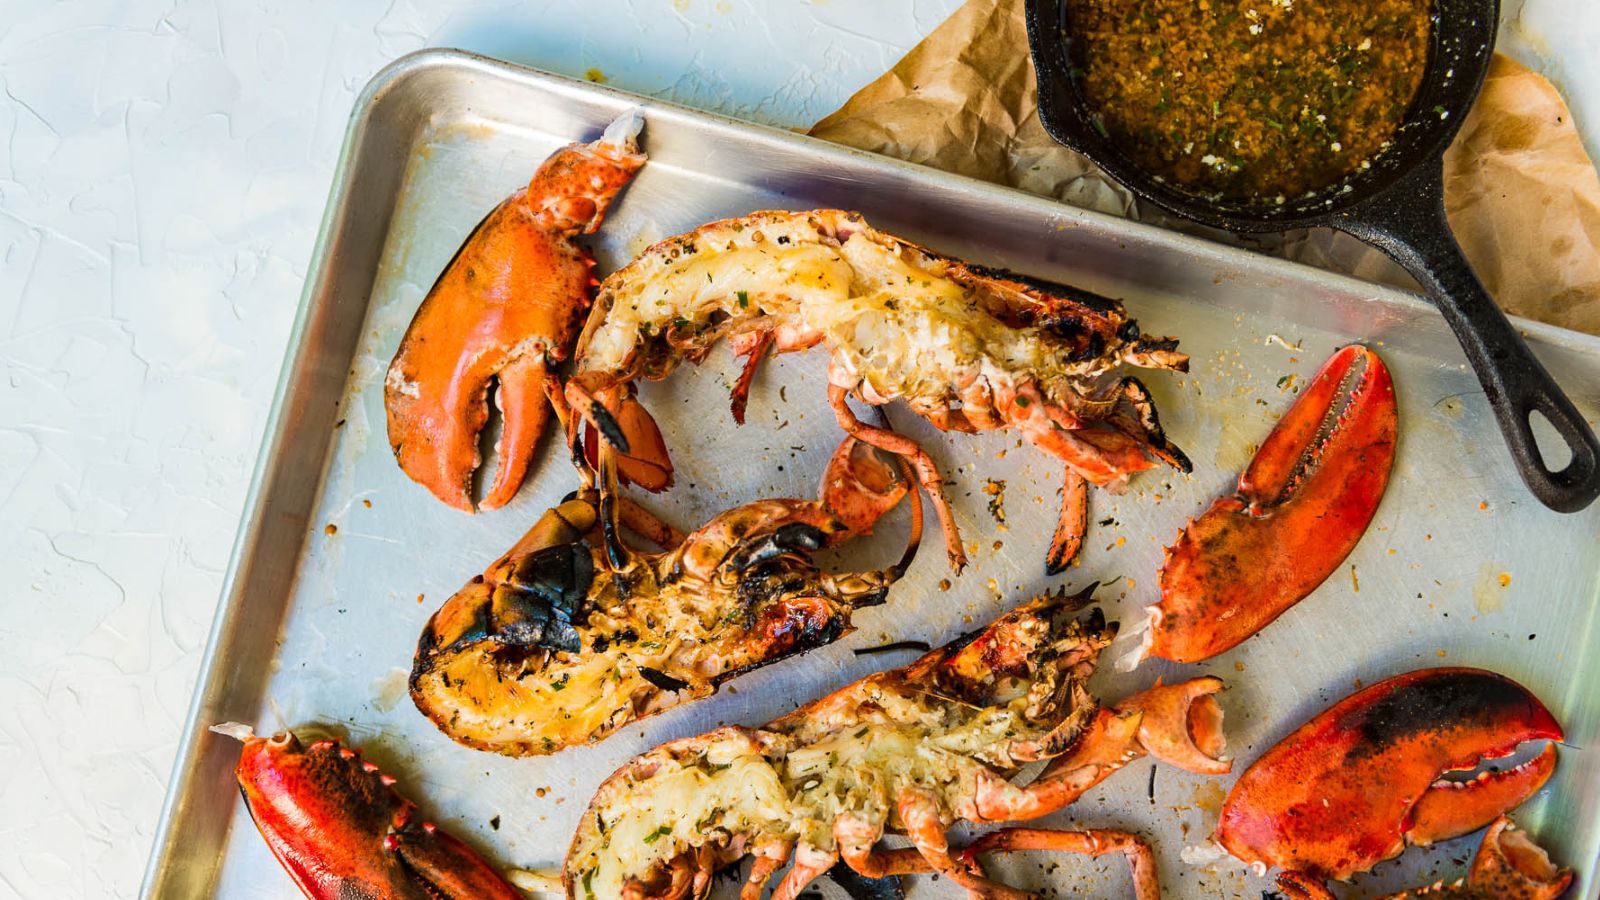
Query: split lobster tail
point(341, 830)
point(968, 348)
point(573, 634)
point(1300, 509)
point(505, 311)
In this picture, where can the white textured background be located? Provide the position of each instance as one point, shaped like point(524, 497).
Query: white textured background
point(163, 169)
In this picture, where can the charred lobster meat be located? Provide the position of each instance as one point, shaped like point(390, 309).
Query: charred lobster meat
point(572, 633)
point(911, 750)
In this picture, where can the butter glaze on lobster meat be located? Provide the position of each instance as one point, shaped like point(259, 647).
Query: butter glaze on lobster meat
point(968, 348)
point(912, 750)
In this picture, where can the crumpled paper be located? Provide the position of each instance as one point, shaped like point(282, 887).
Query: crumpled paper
point(1522, 195)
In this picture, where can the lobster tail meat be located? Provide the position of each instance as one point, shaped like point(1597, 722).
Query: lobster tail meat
point(505, 310)
point(911, 750)
point(341, 830)
point(1299, 510)
point(572, 635)
point(968, 348)
point(1356, 784)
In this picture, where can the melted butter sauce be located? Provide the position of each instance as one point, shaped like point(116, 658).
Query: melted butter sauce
point(1250, 99)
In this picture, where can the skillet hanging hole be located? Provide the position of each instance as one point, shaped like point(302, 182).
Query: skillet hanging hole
point(1554, 453)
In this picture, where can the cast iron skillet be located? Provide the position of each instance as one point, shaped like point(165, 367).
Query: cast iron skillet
point(1397, 205)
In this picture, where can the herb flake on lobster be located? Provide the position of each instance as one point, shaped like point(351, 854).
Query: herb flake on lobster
point(1299, 510)
point(572, 634)
point(506, 310)
point(912, 750)
point(342, 831)
point(968, 348)
point(1366, 778)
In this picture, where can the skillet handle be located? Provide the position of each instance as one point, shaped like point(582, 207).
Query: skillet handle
point(1408, 223)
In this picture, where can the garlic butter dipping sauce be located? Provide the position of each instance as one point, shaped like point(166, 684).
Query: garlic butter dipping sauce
point(1263, 100)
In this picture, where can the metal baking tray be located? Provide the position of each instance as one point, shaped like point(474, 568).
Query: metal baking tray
point(318, 624)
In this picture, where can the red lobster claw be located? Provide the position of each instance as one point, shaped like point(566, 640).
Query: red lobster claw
point(1301, 507)
point(506, 308)
point(341, 830)
point(1356, 784)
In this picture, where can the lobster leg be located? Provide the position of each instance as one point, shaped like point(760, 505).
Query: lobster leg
point(919, 813)
point(754, 349)
point(1141, 861)
point(927, 471)
point(809, 865)
point(680, 870)
point(644, 523)
point(618, 422)
point(857, 842)
point(637, 519)
point(768, 860)
point(1071, 525)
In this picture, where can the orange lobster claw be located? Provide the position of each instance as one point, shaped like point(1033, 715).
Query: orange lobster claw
point(1301, 507)
point(1356, 784)
point(341, 830)
point(507, 308)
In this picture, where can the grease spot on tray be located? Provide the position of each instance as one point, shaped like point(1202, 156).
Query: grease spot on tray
point(1489, 591)
point(1208, 796)
point(387, 689)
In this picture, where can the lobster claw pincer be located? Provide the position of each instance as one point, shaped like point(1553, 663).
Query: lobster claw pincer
point(1300, 508)
point(341, 830)
point(506, 310)
point(1361, 781)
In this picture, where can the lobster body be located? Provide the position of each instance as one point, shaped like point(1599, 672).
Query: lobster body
point(968, 348)
point(572, 635)
point(911, 750)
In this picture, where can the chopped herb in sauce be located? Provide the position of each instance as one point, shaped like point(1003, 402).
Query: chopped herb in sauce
point(1250, 99)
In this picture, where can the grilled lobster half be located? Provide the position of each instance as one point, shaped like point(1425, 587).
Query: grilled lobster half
point(911, 750)
point(506, 309)
point(1300, 508)
point(572, 634)
point(1365, 778)
point(969, 348)
point(342, 831)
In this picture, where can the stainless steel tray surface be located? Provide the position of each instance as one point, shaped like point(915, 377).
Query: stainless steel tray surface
point(318, 623)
